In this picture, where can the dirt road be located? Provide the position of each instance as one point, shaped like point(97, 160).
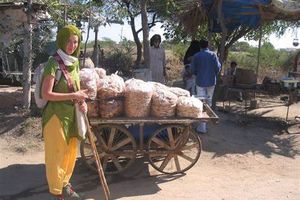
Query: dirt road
point(243, 158)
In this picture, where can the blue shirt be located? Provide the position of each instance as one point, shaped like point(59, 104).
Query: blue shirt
point(206, 66)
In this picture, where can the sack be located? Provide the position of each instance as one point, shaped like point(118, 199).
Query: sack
point(38, 79)
point(80, 121)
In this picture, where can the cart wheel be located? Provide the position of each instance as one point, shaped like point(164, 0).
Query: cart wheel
point(116, 148)
point(174, 149)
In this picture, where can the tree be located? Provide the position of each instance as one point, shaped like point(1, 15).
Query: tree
point(28, 60)
point(193, 14)
point(129, 10)
point(189, 20)
point(240, 46)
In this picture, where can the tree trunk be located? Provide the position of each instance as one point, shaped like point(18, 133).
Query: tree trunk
point(297, 62)
point(27, 61)
point(137, 41)
point(221, 51)
point(258, 52)
point(96, 48)
point(224, 32)
point(145, 33)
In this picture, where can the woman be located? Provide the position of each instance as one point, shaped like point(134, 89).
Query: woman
point(58, 119)
point(188, 77)
point(193, 49)
point(157, 60)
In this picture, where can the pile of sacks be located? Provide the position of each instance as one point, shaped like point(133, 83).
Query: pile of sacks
point(113, 97)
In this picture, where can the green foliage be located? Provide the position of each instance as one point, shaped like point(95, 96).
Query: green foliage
point(107, 42)
point(270, 58)
point(178, 49)
point(128, 45)
point(119, 58)
point(240, 46)
point(278, 27)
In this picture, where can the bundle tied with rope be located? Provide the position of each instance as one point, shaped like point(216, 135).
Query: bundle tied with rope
point(111, 108)
point(93, 108)
point(158, 86)
point(88, 80)
point(138, 96)
point(179, 92)
point(110, 96)
point(163, 103)
point(112, 86)
point(189, 107)
point(86, 63)
point(101, 72)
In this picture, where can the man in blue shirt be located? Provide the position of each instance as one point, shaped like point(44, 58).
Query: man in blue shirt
point(206, 66)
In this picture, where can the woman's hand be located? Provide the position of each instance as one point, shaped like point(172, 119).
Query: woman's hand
point(82, 106)
point(80, 95)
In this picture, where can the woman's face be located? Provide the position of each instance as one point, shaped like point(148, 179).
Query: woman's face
point(72, 44)
point(156, 43)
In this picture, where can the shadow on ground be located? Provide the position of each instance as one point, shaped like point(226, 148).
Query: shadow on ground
point(241, 134)
point(28, 182)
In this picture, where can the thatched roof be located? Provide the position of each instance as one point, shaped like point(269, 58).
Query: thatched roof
point(290, 11)
point(236, 13)
point(13, 19)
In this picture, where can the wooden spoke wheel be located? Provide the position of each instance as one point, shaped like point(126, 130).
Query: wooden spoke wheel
point(116, 148)
point(174, 149)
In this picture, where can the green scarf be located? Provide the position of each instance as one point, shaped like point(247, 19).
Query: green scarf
point(63, 36)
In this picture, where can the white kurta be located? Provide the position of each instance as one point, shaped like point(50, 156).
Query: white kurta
point(157, 64)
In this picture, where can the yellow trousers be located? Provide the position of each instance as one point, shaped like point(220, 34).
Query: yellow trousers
point(60, 157)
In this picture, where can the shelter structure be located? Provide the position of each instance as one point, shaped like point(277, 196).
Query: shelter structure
point(13, 17)
point(235, 17)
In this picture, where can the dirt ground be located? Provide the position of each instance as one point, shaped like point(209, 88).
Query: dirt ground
point(244, 157)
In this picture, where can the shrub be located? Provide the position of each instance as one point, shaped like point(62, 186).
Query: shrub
point(118, 60)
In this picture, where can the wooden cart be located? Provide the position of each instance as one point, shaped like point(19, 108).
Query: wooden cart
point(171, 144)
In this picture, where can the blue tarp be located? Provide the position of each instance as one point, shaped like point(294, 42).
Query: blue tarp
point(236, 13)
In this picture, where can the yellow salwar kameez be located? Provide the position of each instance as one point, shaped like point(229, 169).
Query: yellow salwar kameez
point(60, 157)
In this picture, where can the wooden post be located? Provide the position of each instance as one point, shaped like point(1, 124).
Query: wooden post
point(145, 33)
point(2, 61)
point(297, 62)
point(27, 59)
point(96, 49)
point(87, 39)
point(258, 52)
point(7, 63)
point(222, 47)
point(97, 159)
point(65, 14)
point(224, 31)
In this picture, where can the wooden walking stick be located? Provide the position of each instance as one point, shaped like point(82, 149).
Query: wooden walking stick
point(97, 159)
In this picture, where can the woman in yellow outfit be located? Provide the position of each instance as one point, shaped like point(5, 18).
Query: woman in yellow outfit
point(59, 120)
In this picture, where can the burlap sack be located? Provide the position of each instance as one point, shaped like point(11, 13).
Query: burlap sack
point(179, 92)
point(113, 86)
point(101, 72)
point(93, 109)
point(88, 80)
point(88, 63)
point(158, 86)
point(189, 107)
point(163, 103)
point(111, 108)
point(138, 96)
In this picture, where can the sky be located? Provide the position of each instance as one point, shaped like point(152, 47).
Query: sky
point(115, 32)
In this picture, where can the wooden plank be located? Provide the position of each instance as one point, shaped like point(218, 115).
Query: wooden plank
point(208, 115)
